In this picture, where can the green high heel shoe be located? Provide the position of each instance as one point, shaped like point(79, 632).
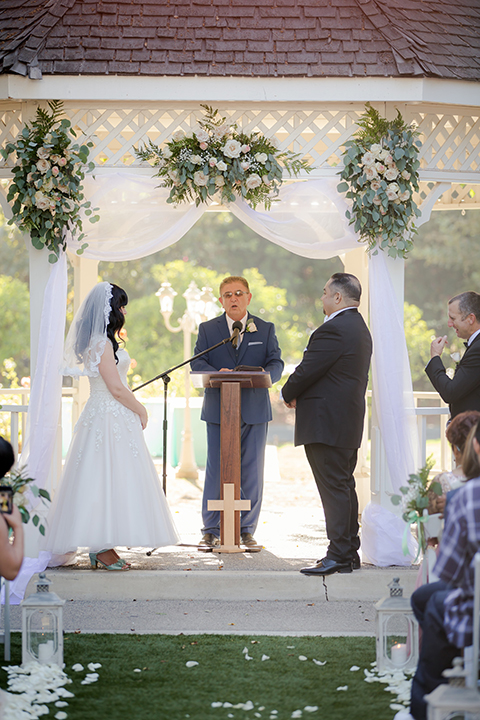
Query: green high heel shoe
point(95, 561)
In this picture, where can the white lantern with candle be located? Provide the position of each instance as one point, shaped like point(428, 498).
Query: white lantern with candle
point(42, 625)
point(397, 631)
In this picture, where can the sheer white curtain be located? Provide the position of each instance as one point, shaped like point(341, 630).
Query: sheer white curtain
point(309, 220)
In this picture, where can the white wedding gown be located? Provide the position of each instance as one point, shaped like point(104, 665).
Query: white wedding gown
point(110, 493)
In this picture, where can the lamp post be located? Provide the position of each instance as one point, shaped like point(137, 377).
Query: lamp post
point(200, 307)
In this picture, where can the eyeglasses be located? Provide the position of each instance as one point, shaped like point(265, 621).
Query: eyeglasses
point(237, 293)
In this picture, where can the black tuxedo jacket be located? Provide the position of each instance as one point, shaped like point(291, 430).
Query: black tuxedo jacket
point(330, 383)
point(462, 392)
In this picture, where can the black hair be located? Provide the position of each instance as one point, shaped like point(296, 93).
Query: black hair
point(116, 320)
point(7, 456)
point(348, 284)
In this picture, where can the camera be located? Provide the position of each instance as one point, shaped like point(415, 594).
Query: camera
point(6, 499)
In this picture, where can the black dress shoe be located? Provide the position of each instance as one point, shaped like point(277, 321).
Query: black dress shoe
point(209, 540)
point(356, 563)
point(328, 567)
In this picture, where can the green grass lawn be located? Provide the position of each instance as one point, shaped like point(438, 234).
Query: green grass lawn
point(168, 690)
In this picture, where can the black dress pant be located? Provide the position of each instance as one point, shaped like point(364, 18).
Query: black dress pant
point(332, 469)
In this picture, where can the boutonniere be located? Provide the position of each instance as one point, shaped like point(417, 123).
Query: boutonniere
point(251, 327)
point(456, 357)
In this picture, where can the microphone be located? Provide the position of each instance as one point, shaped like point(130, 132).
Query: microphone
point(237, 326)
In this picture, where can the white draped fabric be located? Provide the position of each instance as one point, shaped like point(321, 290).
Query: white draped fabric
point(309, 220)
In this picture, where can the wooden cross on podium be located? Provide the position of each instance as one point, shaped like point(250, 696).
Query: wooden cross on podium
point(229, 506)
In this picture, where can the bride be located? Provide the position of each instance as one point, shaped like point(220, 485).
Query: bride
point(109, 493)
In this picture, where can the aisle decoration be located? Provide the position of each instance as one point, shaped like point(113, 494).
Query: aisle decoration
point(47, 191)
point(414, 502)
point(380, 174)
point(21, 484)
point(219, 158)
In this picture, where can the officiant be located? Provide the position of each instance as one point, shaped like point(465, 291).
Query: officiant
point(255, 345)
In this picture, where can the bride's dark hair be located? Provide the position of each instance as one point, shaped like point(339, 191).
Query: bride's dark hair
point(116, 320)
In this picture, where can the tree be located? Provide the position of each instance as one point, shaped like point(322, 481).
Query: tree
point(418, 337)
point(15, 323)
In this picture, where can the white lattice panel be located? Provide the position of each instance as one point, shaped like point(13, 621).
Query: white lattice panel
point(450, 137)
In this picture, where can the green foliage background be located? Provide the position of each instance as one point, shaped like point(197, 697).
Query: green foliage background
point(286, 288)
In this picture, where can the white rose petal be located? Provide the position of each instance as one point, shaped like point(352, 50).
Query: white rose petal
point(265, 657)
point(296, 714)
point(354, 668)
point(342, 687)
point(227, 704)
point(61, 703)
point(216, 704)
point(245, 651)
point(311, 708)
point(191, 663)
point(302, 657)
point(319, 662)
point(137, 670)
point(77, 667)
point(248, 705)
point(61, 716)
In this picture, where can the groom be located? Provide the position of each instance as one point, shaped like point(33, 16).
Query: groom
point(257, 346)
point(328, 391)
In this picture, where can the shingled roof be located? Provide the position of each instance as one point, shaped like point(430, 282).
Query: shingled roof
point(270, 38)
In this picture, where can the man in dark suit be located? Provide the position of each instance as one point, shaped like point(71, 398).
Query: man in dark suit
point(462, 392)
point(327, 390)
point(257, 347)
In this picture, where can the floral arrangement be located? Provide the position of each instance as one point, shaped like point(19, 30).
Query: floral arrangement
point(380, 174)
point(415, 499)
point(47, 191)
point(20, 483)
point(218, 158)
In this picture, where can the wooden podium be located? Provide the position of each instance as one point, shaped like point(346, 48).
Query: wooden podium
point(230, 503)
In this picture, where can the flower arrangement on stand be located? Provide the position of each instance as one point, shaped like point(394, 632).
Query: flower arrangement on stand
point(47, 191)
point(380, 174)
point(414, 501)
point(218, 158)
point(21, 484)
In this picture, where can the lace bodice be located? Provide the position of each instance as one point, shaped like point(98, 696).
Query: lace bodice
point(97, 384)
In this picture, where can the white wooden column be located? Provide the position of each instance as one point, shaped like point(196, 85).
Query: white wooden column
point(85, 277)
point(356, 263)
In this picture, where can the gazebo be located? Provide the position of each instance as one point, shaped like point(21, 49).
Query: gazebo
point(301, 70)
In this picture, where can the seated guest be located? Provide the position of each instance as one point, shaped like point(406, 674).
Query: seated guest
point(11, 553)
point(444, 609)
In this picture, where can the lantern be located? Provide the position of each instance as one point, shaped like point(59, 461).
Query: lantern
point(42, 625)
point(453, 699)
point(397, 631)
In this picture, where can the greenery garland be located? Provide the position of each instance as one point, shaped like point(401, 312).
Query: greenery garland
point(47, 190)
point(218, 158)
point(380, 175)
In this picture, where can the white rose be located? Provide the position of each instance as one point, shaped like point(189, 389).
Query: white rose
point(167, 153)
point(63, 188)
point(380, 168)
point(219, 181)
point(173, 175)
point(368, 158)
point(253, 181)
point(244, 165)
point(273, 140)
point(394, 186)
point(178, 135)
point(232, 149)
point(43, 153)
point(200, 178)
point(212, 162)
point(376, 200)
point(261, 157)
point(222, 166)
point(221, 131)
point(68, 205)
point(245, 149)
point(406, 175)
point(404, 195)
point(371, 172)
point(202, 135)
point(189, 134)
point(265, 180)
point(375, 185)
point(391, 194)
point(29, 178)
point(388, 159)
point(47, 185)
point(196, 159)
point(41, 201)
point(391, 173)
point(62, 161)
point(43, 166)
point(376, 149)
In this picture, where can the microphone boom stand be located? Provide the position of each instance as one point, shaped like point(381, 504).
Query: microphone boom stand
point(165, 376)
